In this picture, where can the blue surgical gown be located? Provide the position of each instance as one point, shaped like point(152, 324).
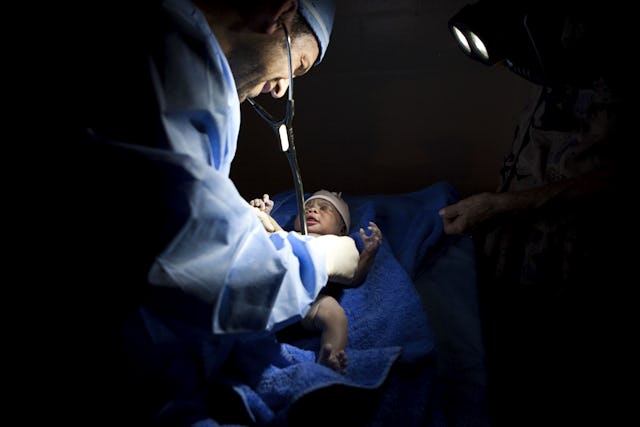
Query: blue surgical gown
point(156, 264)
point(220, 254)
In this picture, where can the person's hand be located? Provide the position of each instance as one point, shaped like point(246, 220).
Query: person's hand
point(265, 204)
point(270, 224)
point(462, 217)
point(373, 241)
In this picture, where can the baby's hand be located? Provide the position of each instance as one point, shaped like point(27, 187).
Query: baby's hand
point(373, 241)
point(265, 204)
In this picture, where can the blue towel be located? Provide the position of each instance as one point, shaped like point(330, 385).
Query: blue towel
point(390, 342)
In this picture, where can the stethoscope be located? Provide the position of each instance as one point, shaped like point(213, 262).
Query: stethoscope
point(284, 131)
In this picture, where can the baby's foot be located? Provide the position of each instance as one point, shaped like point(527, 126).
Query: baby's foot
point(336, 360)
point(344, 361)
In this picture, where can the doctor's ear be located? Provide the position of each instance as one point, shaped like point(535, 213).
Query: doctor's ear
point(271, 13)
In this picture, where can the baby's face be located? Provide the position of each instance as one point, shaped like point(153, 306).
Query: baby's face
point(322, 218)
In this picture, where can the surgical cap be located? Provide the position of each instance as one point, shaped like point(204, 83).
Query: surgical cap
point(319, 15)
point(337, 202)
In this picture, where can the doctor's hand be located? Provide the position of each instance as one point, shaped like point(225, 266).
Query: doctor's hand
point(265, 204)
point(467, 214)
point(270, 224)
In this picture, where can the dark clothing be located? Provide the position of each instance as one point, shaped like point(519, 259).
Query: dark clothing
point(552, 280)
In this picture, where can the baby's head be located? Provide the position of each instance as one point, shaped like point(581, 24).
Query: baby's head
point(326, 213)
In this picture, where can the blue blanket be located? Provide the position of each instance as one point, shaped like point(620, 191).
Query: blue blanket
point(390, 350)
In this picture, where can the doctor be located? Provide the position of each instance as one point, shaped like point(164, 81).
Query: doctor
point(169, 260)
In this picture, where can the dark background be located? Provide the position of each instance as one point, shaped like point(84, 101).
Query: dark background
point(394, 107)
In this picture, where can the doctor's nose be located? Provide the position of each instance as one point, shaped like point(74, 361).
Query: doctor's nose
point(280, 88)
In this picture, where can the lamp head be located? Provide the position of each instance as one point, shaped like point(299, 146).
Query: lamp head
point(534, 39)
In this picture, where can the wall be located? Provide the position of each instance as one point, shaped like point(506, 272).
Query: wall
point(395, 106)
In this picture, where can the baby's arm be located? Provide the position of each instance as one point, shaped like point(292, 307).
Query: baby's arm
point(263, 208)
point(371, 244)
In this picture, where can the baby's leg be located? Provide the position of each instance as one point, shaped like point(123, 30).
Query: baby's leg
point(327, 315)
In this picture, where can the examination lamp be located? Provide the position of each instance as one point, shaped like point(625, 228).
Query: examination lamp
point(284, 131)
point(524, 36)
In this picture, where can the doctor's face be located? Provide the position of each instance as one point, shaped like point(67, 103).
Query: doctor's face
point(263, 66)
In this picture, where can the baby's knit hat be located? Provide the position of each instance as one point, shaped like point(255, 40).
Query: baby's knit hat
point(337, 202)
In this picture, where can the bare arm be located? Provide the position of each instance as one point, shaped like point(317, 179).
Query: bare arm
point(467, 214)
point(262, 208)
point(371, 243)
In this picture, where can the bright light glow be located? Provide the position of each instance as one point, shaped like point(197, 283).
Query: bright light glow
point(284, 138)
point(479, 46)
point(462, 40)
